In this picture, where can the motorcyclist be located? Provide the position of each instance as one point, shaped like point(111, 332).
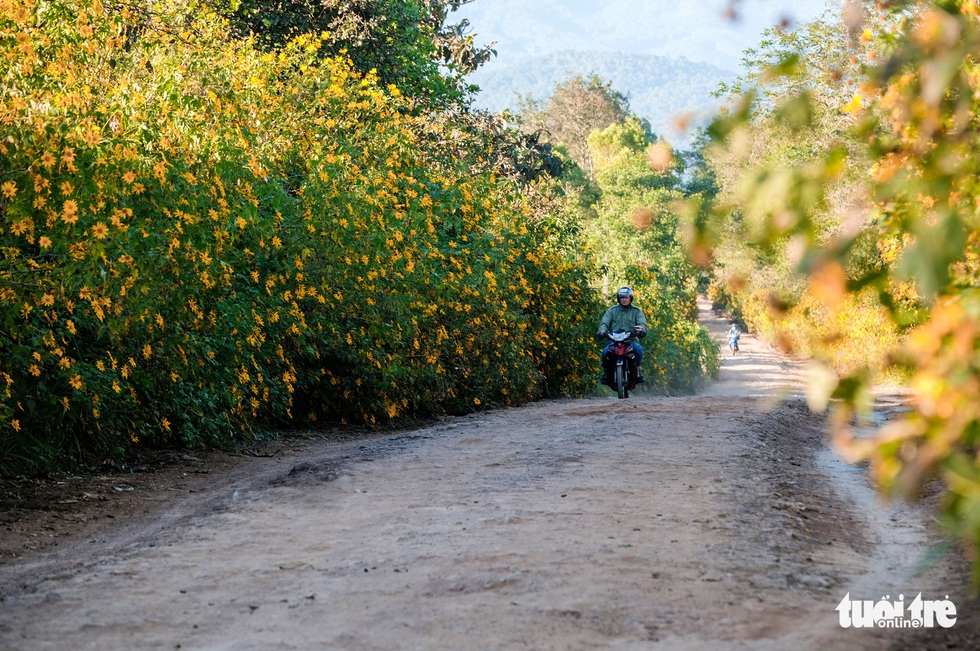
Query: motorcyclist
point(623, 316)
point(733, 332)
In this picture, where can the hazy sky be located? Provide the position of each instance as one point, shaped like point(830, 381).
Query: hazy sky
point(698, 30)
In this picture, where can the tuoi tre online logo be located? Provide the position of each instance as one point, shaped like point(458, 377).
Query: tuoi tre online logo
point(883, 613)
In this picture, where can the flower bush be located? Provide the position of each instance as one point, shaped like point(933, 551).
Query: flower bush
point(201, 241)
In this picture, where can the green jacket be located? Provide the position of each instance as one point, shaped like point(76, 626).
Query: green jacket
point(622, 318)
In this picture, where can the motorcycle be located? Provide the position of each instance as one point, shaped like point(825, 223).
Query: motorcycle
point(733, 343)
point(620, 370)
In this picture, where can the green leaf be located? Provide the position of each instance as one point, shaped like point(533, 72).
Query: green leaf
point(937, 246)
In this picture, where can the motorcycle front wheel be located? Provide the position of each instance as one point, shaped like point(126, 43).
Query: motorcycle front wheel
point(621, 383)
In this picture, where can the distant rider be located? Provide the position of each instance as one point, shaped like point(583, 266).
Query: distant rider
point(626, 317)
point(733, 335)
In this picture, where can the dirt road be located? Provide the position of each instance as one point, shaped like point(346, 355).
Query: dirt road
point(701, 522)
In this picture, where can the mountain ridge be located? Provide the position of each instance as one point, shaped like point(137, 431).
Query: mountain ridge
point(662, 89)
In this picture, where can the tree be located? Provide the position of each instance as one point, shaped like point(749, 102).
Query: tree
point(619, 190)
point(576, 108)
point(910, 123)
point(632, 232)
point(785, 113)
point(626, 156)
point(406, 42)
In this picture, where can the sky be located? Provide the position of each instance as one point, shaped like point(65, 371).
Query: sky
point(699, 30)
